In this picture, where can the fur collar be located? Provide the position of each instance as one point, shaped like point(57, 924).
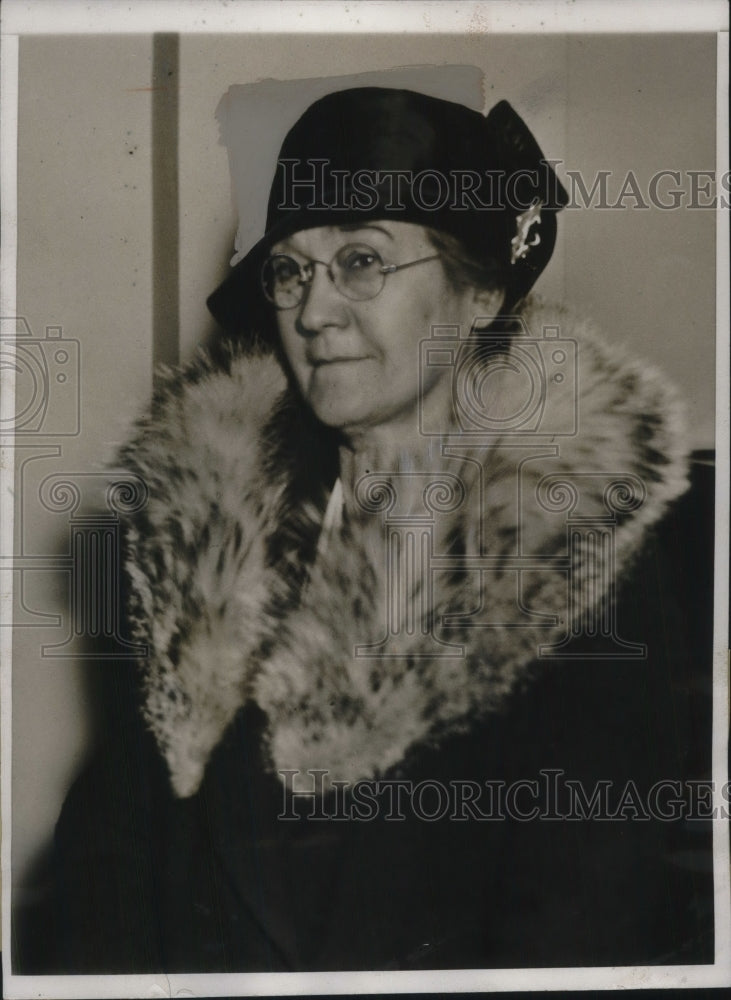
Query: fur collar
point(227, 595)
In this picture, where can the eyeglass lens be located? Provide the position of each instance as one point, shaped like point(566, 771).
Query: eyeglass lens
point(356, 270)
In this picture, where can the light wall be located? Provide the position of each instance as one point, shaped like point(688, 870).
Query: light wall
point(84, 252)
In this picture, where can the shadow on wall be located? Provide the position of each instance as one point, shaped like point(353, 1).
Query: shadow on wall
point(97, 642)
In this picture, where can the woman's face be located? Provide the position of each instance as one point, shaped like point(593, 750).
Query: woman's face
point(357, 362)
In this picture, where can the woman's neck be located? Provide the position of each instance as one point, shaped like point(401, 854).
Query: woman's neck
point(410, 441)
point(385, 450)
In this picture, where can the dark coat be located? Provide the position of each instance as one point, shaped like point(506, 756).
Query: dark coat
point(172, 851)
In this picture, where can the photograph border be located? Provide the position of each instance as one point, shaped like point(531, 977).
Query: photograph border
point(366, 16)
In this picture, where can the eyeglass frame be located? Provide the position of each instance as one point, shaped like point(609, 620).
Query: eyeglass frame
point(305, 280)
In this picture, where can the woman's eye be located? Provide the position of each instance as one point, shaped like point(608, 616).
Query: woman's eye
point(352, 259)
point(284, 269)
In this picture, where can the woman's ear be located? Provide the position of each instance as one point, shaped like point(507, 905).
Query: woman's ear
point(488, 302)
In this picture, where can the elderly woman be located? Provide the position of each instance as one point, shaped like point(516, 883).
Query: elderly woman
point(404, 705)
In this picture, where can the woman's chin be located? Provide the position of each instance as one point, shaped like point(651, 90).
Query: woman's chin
point(365, 424)
point(341, 394)
point(341, 413)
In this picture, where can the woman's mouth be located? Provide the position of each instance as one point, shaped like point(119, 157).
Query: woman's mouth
point(318, 362)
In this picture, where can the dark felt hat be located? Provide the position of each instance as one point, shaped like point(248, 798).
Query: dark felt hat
point(375, 153)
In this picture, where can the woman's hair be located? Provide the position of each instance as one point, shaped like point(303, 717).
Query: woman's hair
point(463, 268)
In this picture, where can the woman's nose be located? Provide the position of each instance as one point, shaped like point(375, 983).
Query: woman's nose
point(323, 305)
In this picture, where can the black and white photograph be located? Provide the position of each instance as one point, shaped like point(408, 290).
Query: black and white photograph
point(364, 554)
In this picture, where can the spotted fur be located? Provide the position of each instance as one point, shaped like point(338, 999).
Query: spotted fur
point(233, 607)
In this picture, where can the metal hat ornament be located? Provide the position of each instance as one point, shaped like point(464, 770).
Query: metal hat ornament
point(375, 153)
point(521, 243)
